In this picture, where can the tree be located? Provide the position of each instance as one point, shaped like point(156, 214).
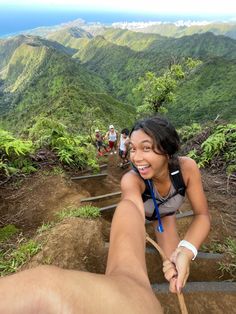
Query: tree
point(156, 91)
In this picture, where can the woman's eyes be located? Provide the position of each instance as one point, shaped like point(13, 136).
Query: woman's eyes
point(145, 149)
point(131, 149)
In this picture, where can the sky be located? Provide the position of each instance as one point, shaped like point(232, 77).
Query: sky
point(205, 7)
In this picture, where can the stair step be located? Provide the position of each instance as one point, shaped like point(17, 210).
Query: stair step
point(200, 297)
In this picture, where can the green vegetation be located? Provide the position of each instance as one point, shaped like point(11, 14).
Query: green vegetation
point(45, 227)
point(134, 40)
point(7, 232)
point(207, 93)
point(86, 211)
point(41, 81)
point(157, 91)
point(12, 260)
point(14, 155)
point(54, 171)
point(70, 149)
point(228, 248)
point(221, 144)
point(73, 37)
point(189, 131)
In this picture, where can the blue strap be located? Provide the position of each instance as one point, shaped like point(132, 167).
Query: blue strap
point(159, 227)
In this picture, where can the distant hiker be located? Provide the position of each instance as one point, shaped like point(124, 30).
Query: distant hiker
point(99, 143)
point(123, 147)
point(112, 136)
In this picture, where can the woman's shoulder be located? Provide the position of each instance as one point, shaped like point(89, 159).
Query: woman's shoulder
point(187, 162)
point(131, 175)
point(132, 179)
point(188, 167)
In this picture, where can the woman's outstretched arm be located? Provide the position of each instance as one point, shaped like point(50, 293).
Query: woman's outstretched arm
point(124, 289)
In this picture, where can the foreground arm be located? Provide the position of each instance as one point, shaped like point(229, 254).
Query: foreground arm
point(124, 289)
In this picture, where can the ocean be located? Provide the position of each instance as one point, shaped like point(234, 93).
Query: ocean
point(14, 20)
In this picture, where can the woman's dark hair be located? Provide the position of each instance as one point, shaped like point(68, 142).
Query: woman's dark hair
point(164, 135)
point(125, 131)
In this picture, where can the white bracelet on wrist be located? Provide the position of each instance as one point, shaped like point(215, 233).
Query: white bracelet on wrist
point(189, 246)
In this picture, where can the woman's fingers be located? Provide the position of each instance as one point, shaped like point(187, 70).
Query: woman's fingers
point(169, 270)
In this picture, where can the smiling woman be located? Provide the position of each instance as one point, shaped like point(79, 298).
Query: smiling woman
point(157, 185)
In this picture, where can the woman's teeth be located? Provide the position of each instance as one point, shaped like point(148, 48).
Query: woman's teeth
point(142, 167)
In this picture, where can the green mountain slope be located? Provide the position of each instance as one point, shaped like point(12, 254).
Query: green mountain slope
point(121, 66)
point(173, 30)
point(72, 37)
point(207, 93)
point(8, 47)
point(42, 78)
point(109, 61)
point(201, 46)
point(134, 40)
point(41, 81)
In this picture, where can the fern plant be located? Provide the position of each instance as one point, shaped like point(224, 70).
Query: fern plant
point(70, 149)
point(222, 140)
point(189, 131)
point(14, 154)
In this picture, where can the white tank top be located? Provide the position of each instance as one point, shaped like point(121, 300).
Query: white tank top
point(122, 143)
point(112, 136)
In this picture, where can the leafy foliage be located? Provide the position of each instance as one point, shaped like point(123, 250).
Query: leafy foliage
point(189, 131)
point(45, 81)
point(160, 90)
point(42, 81)
point(219, 148)
point(14, 154)
point(222, 140)
point(70, 149)
point(208, 92)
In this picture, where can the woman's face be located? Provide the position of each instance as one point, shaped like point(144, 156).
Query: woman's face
point(149, 161)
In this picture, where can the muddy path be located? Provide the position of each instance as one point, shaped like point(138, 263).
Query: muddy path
point(78, 244)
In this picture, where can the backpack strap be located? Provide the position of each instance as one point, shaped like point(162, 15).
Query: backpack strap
point(175, 176)
point(177, 179)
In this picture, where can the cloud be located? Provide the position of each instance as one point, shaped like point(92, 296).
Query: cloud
point(152, 6)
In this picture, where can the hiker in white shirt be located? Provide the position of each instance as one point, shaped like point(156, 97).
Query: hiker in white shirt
point(112, 136)
point(123, 147)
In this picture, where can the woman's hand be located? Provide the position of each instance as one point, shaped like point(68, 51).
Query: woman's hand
point(181, 258)
point(170, 274)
